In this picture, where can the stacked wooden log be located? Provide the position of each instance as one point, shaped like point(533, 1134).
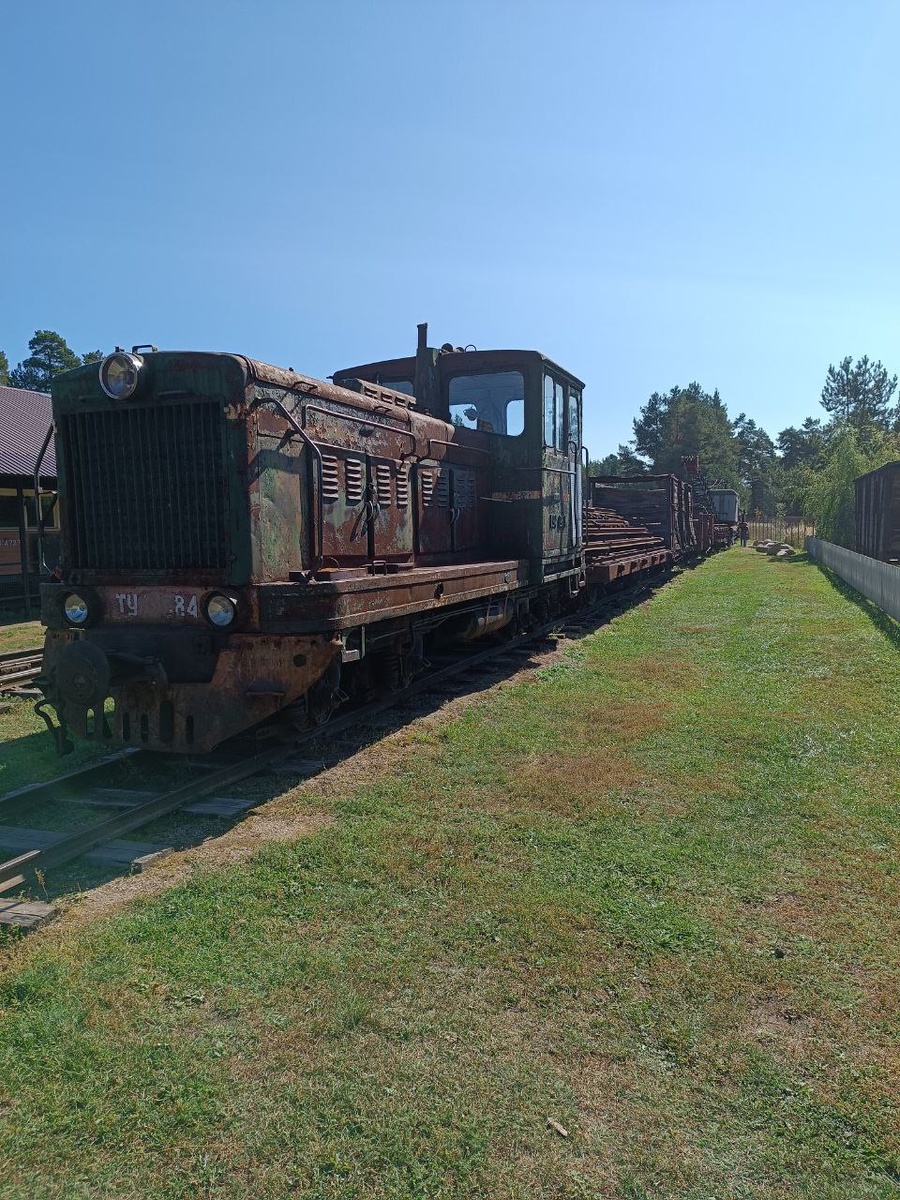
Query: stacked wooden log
point(650, 507)
point(609, 534)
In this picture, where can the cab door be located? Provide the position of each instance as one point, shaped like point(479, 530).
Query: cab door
point(573, 453)
point(562, 522)
point(434, 511)
point(343, 497)
point(466, 534)
point(391, 523)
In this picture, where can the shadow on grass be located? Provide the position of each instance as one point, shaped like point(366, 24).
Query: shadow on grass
point(78, 803)
point(30, 758)
point(880, 619)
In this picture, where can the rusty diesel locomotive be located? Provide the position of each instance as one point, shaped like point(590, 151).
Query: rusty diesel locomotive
point(239, 539)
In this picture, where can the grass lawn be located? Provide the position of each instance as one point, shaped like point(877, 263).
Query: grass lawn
point(20, 635)
point(648, 892)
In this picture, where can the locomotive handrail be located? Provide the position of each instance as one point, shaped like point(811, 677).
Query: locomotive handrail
point(314, 449)
point(38, 511)
point(374, 424)
point(373, 511)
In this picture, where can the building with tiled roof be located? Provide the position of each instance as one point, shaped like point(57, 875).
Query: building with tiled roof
point(24, 422)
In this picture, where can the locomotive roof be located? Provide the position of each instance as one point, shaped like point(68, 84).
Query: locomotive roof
point(287, 376)
point(453, 360)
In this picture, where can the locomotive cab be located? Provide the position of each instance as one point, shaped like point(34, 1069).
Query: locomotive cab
point(530, 411)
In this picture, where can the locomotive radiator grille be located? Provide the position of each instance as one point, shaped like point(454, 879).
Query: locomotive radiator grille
point(148, 487)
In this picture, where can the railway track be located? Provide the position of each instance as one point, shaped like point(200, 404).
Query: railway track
point(110, 784)
point(19, 667)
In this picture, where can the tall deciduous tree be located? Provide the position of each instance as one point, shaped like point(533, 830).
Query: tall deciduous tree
point(829, 490)
point(4, 369)
point(860, 393)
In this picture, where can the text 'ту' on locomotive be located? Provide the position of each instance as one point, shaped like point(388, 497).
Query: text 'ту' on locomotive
point(238, 539)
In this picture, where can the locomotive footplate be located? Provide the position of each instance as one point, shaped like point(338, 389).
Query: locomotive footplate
point(341, 602)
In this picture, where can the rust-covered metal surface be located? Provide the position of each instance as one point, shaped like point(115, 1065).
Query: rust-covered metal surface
point(342, 522)
point(242, 682)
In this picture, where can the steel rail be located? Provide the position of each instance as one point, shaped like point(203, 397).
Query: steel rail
point(86, 839)
point(14, 656)
point(20, 666)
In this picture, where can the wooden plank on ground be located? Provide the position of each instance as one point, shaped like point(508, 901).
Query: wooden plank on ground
point(303, 767)
point(210, 806)
point(26, 914)
point(117, 852)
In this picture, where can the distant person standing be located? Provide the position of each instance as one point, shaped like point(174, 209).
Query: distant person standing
point(743, 532)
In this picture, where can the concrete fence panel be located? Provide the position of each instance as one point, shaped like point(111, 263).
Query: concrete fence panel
point(877, 581)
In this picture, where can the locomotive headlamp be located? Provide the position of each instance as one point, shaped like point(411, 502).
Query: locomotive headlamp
point(75, 609)
point(220, 610)
point(119, 374)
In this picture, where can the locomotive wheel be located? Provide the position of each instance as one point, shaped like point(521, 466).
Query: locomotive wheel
point(325, 697)
point(82, 675)
point(390, 672)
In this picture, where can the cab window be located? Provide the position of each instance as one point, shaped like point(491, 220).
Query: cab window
point(549, 410)
point(493, 402)
point(399, 385)
point(554, 412)
point(574, 418)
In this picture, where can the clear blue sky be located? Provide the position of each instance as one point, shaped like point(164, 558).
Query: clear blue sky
point(649, 191)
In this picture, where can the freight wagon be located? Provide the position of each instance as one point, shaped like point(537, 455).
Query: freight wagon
point(878, 513)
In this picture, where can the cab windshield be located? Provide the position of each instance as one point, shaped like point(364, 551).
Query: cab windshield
point(492, 402)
